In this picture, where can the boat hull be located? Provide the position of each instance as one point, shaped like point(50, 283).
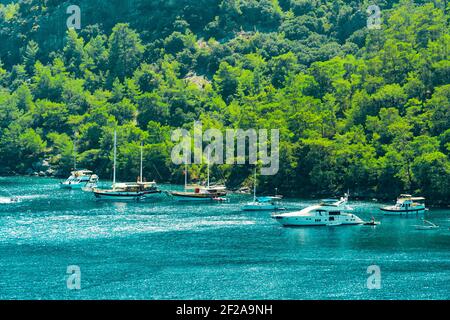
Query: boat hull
point(191, 197)
point(74, 186)
point(78, 186)
point(148, 194)
point(299, 221)
point(122, 196)
point(394, 212)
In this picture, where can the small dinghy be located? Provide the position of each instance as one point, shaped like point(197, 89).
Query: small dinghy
point(427, 225)
point(372, 222)
point(5, 200)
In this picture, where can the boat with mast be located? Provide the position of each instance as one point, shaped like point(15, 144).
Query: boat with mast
point(127, 190)
point(198, 192)
point(148, 188)
point(269, 203)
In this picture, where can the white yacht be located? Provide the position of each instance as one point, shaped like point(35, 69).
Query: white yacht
point(330, 212)
point(80, 179)
point(406, 204)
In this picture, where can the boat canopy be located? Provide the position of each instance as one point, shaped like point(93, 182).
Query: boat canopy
point(151, 183)
point(82, 172)
point(410, 197)
point(268, 199)
point(126, 185)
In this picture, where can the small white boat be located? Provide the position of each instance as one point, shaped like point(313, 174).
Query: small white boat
point(270, 203)
point(327, 213)
point(427, 225)
point(406, 204)
point(80, 179)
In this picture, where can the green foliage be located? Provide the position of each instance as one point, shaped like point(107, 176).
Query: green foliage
point(365, 110)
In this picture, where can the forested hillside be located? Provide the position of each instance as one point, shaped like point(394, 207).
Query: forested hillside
point(357, 108)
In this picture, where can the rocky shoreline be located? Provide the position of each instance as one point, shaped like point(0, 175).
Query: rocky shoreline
point(38, 169)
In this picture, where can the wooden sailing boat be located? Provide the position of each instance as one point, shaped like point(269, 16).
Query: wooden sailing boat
point(199, 193)
point(126, 190)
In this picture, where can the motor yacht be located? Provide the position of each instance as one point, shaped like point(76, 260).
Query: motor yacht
point(80, 179)
point(330, 212)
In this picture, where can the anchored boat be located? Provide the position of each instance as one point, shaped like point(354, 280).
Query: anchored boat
point(406, 204)
point(199, 193)
point(329, 212)
point(128, 190)
point(80, 179)
point(270, 203)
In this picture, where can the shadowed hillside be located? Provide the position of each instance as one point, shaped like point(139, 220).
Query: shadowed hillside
point(357, 108)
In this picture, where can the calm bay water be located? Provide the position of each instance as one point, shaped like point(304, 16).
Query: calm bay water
point(159, 249)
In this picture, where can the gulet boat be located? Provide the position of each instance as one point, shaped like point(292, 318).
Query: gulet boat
point(197, 193)
point(127, 190)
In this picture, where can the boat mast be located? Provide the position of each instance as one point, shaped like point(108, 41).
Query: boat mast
point(209, 155)
point(75, 153)
point(115, 155)
point(185, 176)
point(140, 177)
point(254, 186)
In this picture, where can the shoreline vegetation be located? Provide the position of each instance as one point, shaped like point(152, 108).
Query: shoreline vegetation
point(355, 195)
point(366, 110)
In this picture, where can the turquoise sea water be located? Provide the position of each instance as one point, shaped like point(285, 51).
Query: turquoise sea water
point(159, 249)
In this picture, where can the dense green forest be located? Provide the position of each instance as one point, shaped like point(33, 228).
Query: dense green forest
point(357, 108)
